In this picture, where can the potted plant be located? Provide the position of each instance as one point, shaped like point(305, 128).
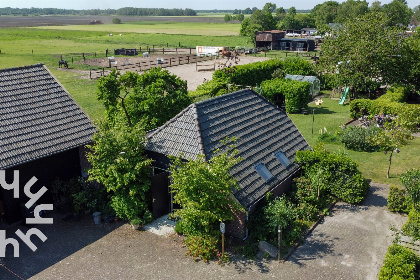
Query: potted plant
point(135, 223)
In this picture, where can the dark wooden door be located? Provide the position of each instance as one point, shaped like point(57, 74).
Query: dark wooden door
point(160, 194)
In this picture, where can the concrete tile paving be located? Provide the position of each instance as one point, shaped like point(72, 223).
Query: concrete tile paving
point(349, 244)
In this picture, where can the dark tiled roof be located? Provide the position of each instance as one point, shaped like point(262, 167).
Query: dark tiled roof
point(261, 128)
point(38, 117)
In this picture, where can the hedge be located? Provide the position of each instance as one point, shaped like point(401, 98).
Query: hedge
point(295, 93)
point(249, 74)
point(339, 174)
point(400, 263)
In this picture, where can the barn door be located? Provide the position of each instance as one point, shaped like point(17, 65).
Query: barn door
point(160, 195)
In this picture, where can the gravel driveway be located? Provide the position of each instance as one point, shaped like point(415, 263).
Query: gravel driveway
point(349, 244)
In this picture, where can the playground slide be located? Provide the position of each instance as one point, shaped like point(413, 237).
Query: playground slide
point(344, 96)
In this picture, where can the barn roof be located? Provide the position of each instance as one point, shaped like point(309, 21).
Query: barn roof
point(38, 117)
point(262, 130)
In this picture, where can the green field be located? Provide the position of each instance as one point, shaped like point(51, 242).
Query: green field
point(26, 46)
point(153, 27)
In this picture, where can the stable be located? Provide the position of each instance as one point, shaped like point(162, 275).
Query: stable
point(42, 133)
point(269, 39)
point(267, 142)
point(301, 45)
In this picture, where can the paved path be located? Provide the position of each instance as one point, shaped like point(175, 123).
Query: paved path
point(349, 244)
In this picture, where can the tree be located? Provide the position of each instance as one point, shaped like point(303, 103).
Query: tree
point(116, 21)
point(375, 7)
point(416, 12)
point(151, 98)
point(324, 13)
point(398, 12)
point(227, 18)
point(365, 53)
point(391, 139)
point(204, 190)
point(240, 17)
point(351, 9)
point(259, 21)
point(280, 13)
point(118, 162)
point(269, 8)
point(247, 11)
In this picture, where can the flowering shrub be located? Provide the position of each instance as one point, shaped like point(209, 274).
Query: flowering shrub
point(202, 246)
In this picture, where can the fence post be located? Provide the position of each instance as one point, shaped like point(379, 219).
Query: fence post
point(170, 61)
point(188, 59)
point(190, 50)
point(179, 44)
point(163, 50)
point(179, 60)
point(95, 54)
point(106, 53)
point(90, 74)
point(72, 59)
point(176, 50)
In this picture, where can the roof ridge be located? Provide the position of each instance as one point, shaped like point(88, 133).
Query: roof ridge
point(200, 137)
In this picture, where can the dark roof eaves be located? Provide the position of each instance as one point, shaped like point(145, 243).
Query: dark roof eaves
point(46, 155)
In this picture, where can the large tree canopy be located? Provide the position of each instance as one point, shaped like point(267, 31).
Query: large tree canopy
point(365, 53)
point(151, 98)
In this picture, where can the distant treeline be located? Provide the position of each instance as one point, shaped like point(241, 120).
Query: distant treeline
point(246, 11)
point(122, 11)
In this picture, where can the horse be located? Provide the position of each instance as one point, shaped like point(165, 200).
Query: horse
point(63, 63)
point(225, 53)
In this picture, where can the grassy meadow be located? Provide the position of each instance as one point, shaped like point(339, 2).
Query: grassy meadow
point(46, 44)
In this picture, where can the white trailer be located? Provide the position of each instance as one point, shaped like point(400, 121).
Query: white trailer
point(209, 51)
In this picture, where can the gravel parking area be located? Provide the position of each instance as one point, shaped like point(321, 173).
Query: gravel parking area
point(349, 244)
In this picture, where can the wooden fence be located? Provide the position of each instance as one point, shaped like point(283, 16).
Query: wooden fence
point(148, 64)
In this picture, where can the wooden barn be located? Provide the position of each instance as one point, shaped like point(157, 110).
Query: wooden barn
point(42, 133)
point(267, 142)
point(269, 39)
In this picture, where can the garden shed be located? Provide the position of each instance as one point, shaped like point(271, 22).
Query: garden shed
point(316, 84)
point(43, 133)
point(267, 142)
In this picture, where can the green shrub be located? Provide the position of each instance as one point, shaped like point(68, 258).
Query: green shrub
point(357, 138)
point(202, 246)
point(400, 263)
point(328, 81)
point(116, 21)
point(279, 211)
point(338, 172)
point(295, 93)
point(328, 138)
point(298, 66)
point(250, 74)
point(411, 181)
point(398, 201)
point(178, 227)
point(412, 226)
point(395, 94)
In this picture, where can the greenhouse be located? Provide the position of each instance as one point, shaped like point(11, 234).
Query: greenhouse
point(316, 85)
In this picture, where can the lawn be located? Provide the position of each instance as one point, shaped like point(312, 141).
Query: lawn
point(329, 116)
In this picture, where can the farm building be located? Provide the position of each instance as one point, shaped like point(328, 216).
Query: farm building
point(269, 39)
point(316, 84)
point(43, 134)
point(267, 141)
point(291, 44)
